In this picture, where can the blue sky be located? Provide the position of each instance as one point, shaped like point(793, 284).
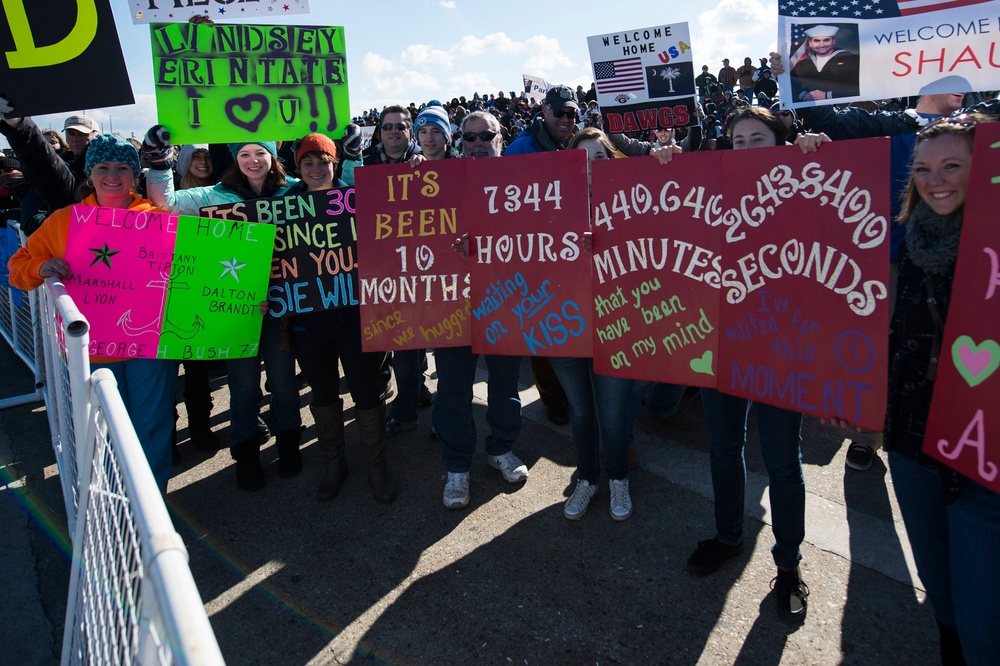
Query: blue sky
point(417, 51)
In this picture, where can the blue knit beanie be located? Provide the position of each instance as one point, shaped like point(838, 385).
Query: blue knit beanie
point(269, 146)
point(436, 116)
point(109, 148)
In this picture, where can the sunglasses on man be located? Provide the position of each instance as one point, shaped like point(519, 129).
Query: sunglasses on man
point(400, 127)
point(485, 136)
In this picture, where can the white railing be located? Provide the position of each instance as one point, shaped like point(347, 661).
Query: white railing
point(132, 598)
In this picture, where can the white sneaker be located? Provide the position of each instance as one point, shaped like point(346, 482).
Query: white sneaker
point(513, 470)
point(576, 505)
point(456, 490)
point(621, 503)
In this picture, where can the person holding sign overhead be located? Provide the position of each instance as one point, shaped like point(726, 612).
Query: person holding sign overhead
point(952, 521)
point(320, 339)
point(146, 385)
point(256, 173)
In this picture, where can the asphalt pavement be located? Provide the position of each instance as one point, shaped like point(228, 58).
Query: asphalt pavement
point(508, 580)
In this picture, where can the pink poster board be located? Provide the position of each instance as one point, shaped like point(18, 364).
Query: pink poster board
point(805, 279)
point(656, 268)
point(963, 422)
point(530, 287)
point(414, 286)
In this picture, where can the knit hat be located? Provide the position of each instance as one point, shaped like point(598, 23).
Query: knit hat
point(351, 143)
point(184, 157)
point(9, 163)
point(315, 142)
point(434, 116)
point(108, 148)
point(269, 146)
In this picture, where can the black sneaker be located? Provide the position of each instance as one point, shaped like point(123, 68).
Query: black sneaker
point(711, 555)
point(425, 397)
point(859, 456)
point(791, 594)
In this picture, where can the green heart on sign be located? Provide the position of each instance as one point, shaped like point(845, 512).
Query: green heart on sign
point(975, 362)
point(703, 365)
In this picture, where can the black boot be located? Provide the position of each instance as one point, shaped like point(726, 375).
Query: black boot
point(249, 473)
point(951, 646)
point(330, 431)
point(200, 426)
point(372, 425)
point(289, 456)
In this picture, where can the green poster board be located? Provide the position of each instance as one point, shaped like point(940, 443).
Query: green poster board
point(228, 83)
point(213, 309)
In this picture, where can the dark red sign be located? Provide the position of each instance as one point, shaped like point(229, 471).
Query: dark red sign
point(805, 279)
point(414, 287)
point(963, 422)
point(656, 268)
point(530, 276)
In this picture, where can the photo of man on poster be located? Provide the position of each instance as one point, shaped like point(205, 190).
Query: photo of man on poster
point(821, 70)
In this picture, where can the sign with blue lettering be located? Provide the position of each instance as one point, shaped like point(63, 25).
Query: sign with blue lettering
point(530, 292)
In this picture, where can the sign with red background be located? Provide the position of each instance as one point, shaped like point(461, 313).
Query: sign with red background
point(414, 287)
point(656, 270)
point(963, 413)
point(530, 275)
point(805, 281)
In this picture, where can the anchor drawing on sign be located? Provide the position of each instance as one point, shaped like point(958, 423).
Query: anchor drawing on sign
point(125, 321)
point(170, 328)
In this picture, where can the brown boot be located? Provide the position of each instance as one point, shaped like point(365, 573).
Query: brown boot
point(330, 431)
point(372, 425)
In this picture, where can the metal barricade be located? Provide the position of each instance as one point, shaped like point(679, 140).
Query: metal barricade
point(18, 325)
point(132, 598)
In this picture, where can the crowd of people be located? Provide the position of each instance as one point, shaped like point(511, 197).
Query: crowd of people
point(948, 517)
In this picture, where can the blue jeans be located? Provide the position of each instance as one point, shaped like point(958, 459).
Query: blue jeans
point(780, 439)
point(453, 419)
point(955, 546)
point(602, 411)
point(406, 366)
point(663, 399)
point(147, 387)
point(244, 387)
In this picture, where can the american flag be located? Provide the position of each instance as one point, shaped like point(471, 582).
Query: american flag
point(614, 76)
point(814, 10)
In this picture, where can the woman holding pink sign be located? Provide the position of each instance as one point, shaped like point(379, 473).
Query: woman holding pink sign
point(146, 385)
point(256, 173)
point(952, 521)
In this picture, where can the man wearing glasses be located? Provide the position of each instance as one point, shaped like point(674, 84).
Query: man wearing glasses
point(396, 144)
point(552, 128)
point(549, 130)
point(456, 367)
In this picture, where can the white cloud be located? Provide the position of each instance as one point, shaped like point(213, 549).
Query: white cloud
point(447, 4)
point(727, 30)
point(421, 72)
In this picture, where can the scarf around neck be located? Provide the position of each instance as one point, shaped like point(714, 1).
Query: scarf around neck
point(932, 239)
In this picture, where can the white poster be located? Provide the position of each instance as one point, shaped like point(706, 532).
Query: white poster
point(175, 11)
point(535, 88)
point(644, 78)
point(844, 51)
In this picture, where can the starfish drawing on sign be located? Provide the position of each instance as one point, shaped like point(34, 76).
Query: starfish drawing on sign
point(231, 267)
point(103, 254)
point(668, 74)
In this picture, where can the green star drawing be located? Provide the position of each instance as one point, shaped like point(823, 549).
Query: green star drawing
point(103, 254)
